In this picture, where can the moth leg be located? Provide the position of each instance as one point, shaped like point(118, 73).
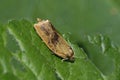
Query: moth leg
point(64, 59)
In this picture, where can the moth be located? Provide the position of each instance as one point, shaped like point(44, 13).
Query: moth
point(54, 41)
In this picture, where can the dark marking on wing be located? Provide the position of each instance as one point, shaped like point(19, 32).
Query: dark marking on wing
point(46, 31)
point(52, 27)
point(55, 38)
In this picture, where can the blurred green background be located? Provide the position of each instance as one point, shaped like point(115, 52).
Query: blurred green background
point(79, 17)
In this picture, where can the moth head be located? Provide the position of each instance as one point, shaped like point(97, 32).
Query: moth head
point(72, 58)
point(71, 55)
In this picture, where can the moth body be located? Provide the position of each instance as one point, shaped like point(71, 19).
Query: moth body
point(54, 41)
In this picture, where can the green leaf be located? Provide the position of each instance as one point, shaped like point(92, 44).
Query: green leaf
point(103, 54)
point(24, 56)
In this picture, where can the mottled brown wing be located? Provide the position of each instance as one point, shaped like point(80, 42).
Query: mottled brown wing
point(53, 39)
